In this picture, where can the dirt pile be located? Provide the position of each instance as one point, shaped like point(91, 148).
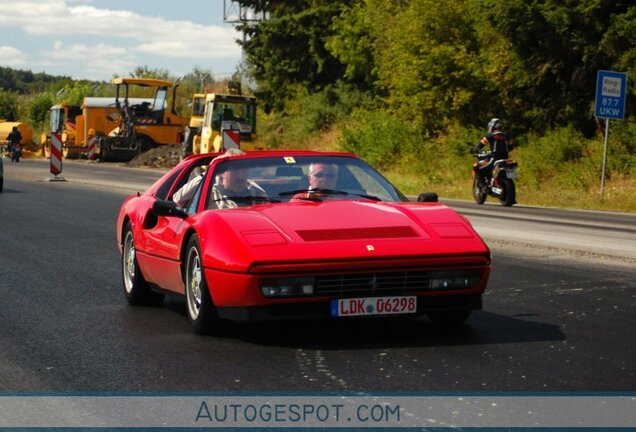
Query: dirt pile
point(164, 156)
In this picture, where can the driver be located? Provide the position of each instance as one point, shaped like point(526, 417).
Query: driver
point(322, 176)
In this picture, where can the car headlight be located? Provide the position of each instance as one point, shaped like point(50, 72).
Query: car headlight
point(285, 287)
point(461, 279)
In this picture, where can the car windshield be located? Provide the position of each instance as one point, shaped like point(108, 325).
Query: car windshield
point(241, 182)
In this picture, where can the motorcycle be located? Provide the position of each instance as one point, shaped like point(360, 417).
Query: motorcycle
point(495, 178)
point(16, 152)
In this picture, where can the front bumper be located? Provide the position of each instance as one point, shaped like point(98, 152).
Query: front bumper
point(322, 309)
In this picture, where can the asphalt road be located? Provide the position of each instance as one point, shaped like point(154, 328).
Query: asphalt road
point(558, 316)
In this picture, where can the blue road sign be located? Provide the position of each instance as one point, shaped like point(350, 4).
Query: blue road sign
point(610, 95)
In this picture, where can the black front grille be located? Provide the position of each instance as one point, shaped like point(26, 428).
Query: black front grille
point(372, 284)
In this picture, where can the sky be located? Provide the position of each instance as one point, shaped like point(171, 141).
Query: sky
point(98, 39)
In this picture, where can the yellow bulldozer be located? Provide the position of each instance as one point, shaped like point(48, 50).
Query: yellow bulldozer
point(141, 126)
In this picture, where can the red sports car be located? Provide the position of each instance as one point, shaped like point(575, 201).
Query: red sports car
point(297, 234)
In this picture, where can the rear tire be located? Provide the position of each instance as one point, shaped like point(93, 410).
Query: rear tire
point(509, 196)
point(199, 305)
point(136, 289)
point(478, 190)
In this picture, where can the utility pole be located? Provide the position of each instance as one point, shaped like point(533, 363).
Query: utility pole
point(235, 13)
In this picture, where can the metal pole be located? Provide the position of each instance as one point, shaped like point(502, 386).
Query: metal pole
point(604, 156)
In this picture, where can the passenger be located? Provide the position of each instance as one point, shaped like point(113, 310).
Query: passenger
point(233, 189)
point(184, 195)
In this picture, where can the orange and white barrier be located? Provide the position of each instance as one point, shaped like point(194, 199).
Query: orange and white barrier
point(231, 138)
point(91, 148)
point(56, 156)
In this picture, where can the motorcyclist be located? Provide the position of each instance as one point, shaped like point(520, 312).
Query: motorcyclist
point(14, 138)
point(499, 142)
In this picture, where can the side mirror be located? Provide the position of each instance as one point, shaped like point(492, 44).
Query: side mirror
point(168, 208)
point(427, 197)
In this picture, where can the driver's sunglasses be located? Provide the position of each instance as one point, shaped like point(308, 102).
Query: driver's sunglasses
point(324, 175)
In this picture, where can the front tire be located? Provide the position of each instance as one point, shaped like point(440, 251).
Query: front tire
point(199, 305)
point(479, 192)
point(136, 289)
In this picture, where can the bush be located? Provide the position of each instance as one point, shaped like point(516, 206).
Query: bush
point(38, 109)
point(307, 113)
point(8, 105)
point(379, 137)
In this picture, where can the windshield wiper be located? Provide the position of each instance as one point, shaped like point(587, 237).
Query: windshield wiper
point(258, 199)
point(321, 192)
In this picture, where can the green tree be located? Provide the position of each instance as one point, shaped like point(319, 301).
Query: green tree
point(199, 79)
point(8, 106)
point(146, 72)
point(38, 109)
point(289, 49)
point(431, 69)
point(558, 48)
point(74, 93)
point(355, 40)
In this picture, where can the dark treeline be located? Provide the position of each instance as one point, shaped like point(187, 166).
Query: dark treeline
point(27, 82)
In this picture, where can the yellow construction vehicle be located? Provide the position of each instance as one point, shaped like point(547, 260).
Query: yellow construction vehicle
point(141, 126)
point(61, 121)
point(198, 110)
point(221, 112)
point(192, 133)
point(78, 124)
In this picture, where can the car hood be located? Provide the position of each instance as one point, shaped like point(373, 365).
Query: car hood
point(337, 231)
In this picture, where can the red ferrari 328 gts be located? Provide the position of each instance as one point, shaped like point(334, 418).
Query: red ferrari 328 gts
point(298, 234)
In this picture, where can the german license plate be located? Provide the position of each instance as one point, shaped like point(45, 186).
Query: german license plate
point(373, 306)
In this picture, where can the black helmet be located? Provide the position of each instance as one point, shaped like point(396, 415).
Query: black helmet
point(493, 124)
